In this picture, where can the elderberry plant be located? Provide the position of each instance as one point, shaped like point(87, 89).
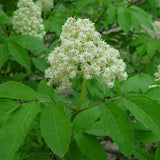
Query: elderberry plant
point(79, 80)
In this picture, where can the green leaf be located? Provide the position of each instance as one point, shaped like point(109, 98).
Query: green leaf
point(13, 132)
point(145, 136)
point(118, 127)
point(3, 54)
point(58, 21)
point(16, 90)
point(141, 154)
point(82, 3)
point(85, 119)
point(31, 151)
point(29, 42)
point(137, 83)
point(97, 128)
point(141, 39)
point(111, 16)
point(139, 17)
point(95, 88)
point(19, 54)
point(7, 106)
point(74, 153)
point(157, 153)
point(90, 146)
point(4, 19)
point(124, 18)
point(40, 63)
point(153, 93)
point(151, 48)
point(146, 110)
point(142, 134)
point(141, 50)
point(56, 128)
point(45, 91)
point(19, 76)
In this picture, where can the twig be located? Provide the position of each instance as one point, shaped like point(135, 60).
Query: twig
point(99, 102)
point(137, 3)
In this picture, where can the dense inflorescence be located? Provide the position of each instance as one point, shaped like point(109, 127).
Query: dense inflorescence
point(83, 52)
point(27, 19)
point(156, 26)
point(45, 5)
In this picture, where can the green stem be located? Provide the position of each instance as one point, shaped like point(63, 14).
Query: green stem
point(99, 102)
point(82, 95)
point(68, 107)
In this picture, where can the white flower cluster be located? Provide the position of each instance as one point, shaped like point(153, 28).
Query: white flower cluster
point(45, 5)
point(156, 26)
point(27, 19)
point(82, 51)
point(157, 75)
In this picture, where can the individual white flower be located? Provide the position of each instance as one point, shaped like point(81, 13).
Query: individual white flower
point(27, 19)
point(156, 27)
point(83, 52)
point(45, 5)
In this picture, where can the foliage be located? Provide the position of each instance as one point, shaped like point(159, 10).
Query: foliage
point(37, 122)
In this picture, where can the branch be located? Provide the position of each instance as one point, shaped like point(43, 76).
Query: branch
point(99, 102)
point(137, 3)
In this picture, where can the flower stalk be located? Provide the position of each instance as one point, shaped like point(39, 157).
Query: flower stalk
point(82, 95)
